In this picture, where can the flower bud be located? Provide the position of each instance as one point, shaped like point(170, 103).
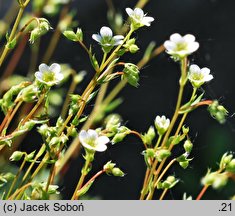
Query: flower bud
point(30, 156)
point(184, 164)
point(225, 160)
point(16, 156)
point(42, 28)
point(131, 74)
point(161, 123)
point(133, 48)
point(231, 166)
point(108, 167)
point(218, 112)
point(162, 154)
point(188, 146)
point(118, 137)
point(149, 136)
point(117, 172)
point(170, 182)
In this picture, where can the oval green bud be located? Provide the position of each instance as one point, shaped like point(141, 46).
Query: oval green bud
point(117, 172)
point(16, 156)
point(188, 146)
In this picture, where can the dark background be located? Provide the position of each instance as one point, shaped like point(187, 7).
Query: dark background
point(212, 22)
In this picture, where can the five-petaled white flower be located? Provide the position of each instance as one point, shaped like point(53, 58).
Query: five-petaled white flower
point(199, 76)
point(138, 18)
point(107, 40)
point(161, 123)
point(92, 141)
point(49, 75)
point(180, 47)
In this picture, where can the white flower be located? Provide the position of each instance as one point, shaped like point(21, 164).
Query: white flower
point(199, 76)
point(138, 18)
point(49, 75)
point(179, 46)
point(90, 140)
point(107, 40)
point(161, 124)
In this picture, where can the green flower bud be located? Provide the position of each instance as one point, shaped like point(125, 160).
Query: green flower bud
point(55, 141)
point(162, 154)
point(231, 166)
point(133, 48)
point(6, 177)
point(108, 167)
point(185, 130)
point(131, 74)
point(30, 156)
point(184, 164)
point(113, 122)
point(29, 93)
point(218, 112)
point(188, 146)
point(16, 156)
point(220, 181)
point(42, 28)
point(117, 172)
point(225, 160)
point(149, 136)
point(37, 194)
point(78, 36)
point(149, 153)
point(170, 182)
point(118, 137)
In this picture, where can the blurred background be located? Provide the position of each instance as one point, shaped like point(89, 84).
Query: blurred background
point(212, 23)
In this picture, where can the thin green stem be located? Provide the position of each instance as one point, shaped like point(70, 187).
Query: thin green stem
point(164, 172)
point(16, 178)
point(115, 51)
point(13, 32)
point(81, 180)
point(158, 142)
point(163, 194)
point(11, 117)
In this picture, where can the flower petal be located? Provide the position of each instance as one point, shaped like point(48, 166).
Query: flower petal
point(169, 45)
point(192, 47)
point(59, 77)
point(38, 75)
point(55, 68)
point(194, 69)
point(118, 37)
point(43, 67)
point(176, 38)
point(102, 140)
point(189, 38)
point(139, 13)
point(92, 134)
point(106, 32)
point(83, 136)
point(100, 147)
point(147, 20)
point(129, 11)
point(96, 37)
point(208, 78)
point(206, 71)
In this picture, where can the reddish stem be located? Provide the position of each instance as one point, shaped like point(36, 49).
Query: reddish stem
point(200, 195)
